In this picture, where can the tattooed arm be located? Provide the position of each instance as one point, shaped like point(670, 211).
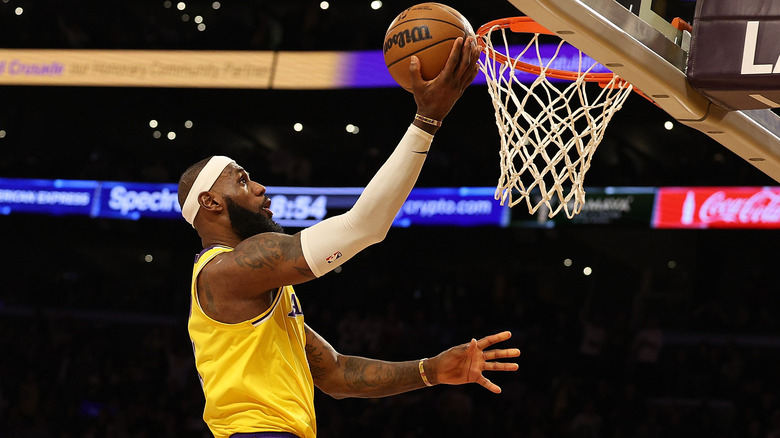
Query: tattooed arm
point(343, 376)
point(272, 258)
point(350, 376)
point(238, 285)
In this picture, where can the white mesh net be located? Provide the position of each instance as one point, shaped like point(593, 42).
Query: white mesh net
point(548, 133)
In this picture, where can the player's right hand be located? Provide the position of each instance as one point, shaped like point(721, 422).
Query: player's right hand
point(435, 98)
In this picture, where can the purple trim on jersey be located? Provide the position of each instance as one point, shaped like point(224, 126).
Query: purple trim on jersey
point(198, 255)
point(264, 435)
point(277, 300)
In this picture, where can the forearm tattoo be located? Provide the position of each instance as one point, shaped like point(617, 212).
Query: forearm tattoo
point(316, 362)
point(374, 377)
point(353, 376)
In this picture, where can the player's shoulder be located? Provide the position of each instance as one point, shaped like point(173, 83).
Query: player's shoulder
point(209, 253)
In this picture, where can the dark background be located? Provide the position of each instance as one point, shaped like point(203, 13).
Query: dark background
point(93, 338)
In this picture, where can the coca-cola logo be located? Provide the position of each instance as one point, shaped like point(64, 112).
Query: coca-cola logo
point(762, 207)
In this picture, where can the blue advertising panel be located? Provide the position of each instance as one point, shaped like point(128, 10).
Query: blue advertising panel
point(54, 197)
point(463, 206)
point(124, 200)
point(297, 207)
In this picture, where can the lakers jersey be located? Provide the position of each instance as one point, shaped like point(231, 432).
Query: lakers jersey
point(254, 374)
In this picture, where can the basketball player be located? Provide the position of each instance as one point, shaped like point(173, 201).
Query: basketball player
point(257, 360)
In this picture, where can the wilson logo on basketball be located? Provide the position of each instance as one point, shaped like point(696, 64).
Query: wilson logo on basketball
point(406, 36)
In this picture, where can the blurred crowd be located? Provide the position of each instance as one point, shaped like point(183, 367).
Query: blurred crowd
point(94, 351)
point(248, 25)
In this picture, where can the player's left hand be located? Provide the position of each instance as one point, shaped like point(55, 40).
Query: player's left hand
point(465, 363)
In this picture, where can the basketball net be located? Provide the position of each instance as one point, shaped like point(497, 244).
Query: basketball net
point(548, 133)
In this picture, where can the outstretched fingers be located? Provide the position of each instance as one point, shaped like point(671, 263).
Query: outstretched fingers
point(501, 366)
point(487, 341)
point(500, 354)
point(490, 386)
point(492, 355)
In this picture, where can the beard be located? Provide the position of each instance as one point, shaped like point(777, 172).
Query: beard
point(247, 223)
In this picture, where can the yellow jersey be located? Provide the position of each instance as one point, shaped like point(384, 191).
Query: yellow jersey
point(254, 374)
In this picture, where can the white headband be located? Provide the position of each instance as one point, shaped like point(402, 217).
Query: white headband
point(206, 178)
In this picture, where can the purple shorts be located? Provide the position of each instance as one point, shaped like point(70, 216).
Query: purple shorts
point(264, 435)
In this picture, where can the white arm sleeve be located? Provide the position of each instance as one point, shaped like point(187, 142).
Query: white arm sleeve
point(335, 240)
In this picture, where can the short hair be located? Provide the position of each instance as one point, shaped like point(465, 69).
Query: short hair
point(188, 179)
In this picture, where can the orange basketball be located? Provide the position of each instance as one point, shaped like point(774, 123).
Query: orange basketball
point(427, 30)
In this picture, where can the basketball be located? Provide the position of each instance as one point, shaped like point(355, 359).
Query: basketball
point(427, 30)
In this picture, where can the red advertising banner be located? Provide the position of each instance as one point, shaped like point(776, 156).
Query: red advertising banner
point(717, 207)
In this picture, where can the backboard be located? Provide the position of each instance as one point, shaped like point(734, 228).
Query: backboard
point(645, 50)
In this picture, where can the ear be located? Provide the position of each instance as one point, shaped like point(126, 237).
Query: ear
point(209, 201)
